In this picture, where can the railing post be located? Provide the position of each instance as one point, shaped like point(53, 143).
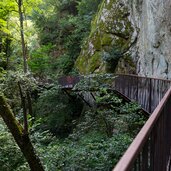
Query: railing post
point(137, 89)
point(150, 95)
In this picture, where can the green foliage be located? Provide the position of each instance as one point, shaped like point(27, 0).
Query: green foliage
point(3, 63)
point(95, 82)
point(112, 57)
point(6, 8)
point(2, 75)
point(9, 85)
point(92, 152)
point(65, 64)
point(94, 140)
point(11, 158)
point(134, 122)
point(91, 140)
point(58, 110)
point(10, 40)
point(88, 7)
point(65, 24)
point(99, 139)
point(40, 61)
point(2, 68)
point(112, 115)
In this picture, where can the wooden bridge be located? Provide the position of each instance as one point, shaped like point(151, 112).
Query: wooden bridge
point(151, 149)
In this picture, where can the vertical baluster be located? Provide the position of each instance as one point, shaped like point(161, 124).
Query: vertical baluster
point(137, 92)
point(150, 89)
point(152, 147)
point(145, 157)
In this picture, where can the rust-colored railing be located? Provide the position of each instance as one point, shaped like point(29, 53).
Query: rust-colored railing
point(151, 149)
point(148, 92)
point(68, 81)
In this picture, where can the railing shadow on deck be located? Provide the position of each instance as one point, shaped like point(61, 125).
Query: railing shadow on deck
point(150, 150)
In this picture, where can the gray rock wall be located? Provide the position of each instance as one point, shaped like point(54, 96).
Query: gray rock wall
point(152, 22)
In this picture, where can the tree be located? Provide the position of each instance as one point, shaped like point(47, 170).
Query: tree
point(5, 37)
point(19, 135)
point(20, 5)
point(25, 68)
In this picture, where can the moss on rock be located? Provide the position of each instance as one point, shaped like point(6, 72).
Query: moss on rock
point(95, 62)
point(126, 65)
point(106, 39)
point(110, 29)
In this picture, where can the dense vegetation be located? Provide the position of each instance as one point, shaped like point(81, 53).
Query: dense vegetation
point(98, 138)
point(67, 134)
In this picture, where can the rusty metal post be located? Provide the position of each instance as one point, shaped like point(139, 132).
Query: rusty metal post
point(150, 95)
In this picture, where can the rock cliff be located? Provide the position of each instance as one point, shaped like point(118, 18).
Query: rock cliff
point(154, 37)
point(129, 36)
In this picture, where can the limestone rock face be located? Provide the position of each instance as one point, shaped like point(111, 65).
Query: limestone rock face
point(133, 31)
point(153, 20)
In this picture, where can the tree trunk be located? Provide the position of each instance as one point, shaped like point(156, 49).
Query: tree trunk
point(21, 139)
point(20, 3)
point(7, 50)
point(24, 51)
point(30, 109)
point(8, 47)
point(23, 103)
point(0, 44)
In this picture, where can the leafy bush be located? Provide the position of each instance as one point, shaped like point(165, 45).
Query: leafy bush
point(10, 87)
point(11, 158)
point(88, 7)
point(65, 25)
point(99, 139)
point(65, 64)
point(3, 62)
point(112, 57)
point(40, 61)
point(92, 152)
point(58, 110)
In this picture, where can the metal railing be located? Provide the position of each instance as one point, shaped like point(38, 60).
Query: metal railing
point(68, 81)
point(151, 149)
point(148, 92)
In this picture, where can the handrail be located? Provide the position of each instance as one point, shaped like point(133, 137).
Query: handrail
point(148, 92)
point(151, 148)
point(68, 81)
point(128, 159)
point(139, 76)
